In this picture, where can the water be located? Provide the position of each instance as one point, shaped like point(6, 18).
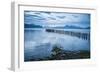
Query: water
point(39, 43)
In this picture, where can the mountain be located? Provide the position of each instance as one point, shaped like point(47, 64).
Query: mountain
point(72, 27)
point(64, 27)
point(76, 27)
point(32, 26)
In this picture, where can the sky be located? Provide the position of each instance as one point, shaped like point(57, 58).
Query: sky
point(56, 19)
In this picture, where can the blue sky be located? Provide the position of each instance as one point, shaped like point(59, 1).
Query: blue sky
point(54, 19)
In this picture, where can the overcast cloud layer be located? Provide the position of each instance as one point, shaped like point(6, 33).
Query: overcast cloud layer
point(54, 19)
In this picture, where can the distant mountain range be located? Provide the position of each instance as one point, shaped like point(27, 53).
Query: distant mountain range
point(67, 26)
point(74, 27)
point(32, 26)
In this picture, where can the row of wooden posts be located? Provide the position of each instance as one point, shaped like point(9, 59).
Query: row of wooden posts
point(85, 36)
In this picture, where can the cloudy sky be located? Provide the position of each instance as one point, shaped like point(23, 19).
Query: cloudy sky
point(54, 19)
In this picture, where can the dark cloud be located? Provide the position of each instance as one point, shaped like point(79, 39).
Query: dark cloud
point(37, 13)
point(47, 12)
point(41, 18)
point(52, 18)
point(36, 17)
point(75, 16)
point(61, 17)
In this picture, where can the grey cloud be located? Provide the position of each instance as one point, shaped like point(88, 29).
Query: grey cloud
point(52, 18)
point(61, 17)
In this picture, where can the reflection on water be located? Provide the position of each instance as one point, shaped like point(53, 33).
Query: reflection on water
point(39, 43)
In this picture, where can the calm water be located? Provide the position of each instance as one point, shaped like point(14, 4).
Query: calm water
point(39, 43)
